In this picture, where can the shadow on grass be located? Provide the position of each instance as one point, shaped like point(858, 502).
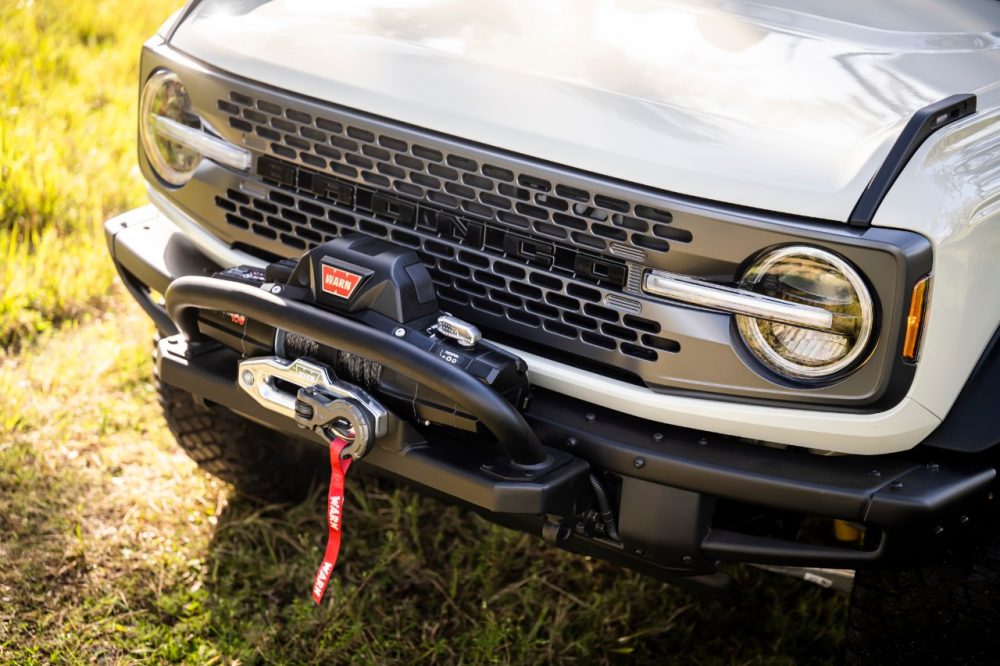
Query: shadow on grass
point(421, 581)
point(40, 543)
point(418, 581)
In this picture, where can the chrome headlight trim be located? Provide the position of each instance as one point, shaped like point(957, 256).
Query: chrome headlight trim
point(214, 149)
point(733, 300)
point(194, 142)
point(749, 306)
point(761, 348)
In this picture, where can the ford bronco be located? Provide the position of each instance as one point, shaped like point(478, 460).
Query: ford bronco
point(666, 283)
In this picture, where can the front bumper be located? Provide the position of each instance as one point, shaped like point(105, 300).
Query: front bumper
point(683, 496)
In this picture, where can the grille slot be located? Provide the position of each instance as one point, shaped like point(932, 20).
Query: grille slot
point(588, 221)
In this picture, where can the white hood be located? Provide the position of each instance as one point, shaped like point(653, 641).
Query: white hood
point(785, 109)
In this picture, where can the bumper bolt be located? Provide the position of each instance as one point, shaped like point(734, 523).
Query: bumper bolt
point(639, 463)
point(590, 417)
point(896, 485)
point(933, 467)
point(247, 378)
point(276, 289)
point(938, 531)
point(963, 521)
point(571, 442)
point(399, 332)
point(687, 559)
point(657, 436)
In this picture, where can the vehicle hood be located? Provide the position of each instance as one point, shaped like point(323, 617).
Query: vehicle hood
point(785, 106)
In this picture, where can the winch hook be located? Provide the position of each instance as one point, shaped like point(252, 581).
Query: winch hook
point(335, 417)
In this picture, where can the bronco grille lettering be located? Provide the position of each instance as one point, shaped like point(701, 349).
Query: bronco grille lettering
point(469, 232)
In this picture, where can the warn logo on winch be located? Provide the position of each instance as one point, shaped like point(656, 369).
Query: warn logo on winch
point(339, 282)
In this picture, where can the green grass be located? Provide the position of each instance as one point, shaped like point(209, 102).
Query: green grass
point(115, 548)
point(68, 85)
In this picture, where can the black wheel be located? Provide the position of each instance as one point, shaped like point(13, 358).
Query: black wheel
point(946, 613)
point(258, 461)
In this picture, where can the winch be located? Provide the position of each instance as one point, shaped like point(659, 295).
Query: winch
point(388, 289)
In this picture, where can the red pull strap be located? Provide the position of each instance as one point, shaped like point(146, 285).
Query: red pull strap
point(334, 512)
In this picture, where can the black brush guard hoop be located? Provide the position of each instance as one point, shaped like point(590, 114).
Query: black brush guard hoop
point(187, 295)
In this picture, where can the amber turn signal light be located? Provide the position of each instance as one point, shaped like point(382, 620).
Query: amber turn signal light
point(915, 319)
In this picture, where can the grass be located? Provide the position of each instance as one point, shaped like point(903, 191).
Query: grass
point(68, 81)
point(115, 548)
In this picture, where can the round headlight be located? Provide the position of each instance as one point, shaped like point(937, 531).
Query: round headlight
point(164, 96)
point(817, 278)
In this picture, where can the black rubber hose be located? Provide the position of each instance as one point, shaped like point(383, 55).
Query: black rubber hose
point(607, 515)
point(186, 295)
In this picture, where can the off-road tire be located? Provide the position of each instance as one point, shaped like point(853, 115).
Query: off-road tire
point(258, 461)
point(946, 613)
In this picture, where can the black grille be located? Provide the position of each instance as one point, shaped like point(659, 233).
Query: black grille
point(477, 284)
point(553, 263)
point(517, 199)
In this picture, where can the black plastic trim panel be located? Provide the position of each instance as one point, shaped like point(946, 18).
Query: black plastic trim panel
point(884, 490)
point(973, 423)
point(148, 254)
point(924, 122)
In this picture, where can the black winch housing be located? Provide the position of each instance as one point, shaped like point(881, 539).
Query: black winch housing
point(384, 287)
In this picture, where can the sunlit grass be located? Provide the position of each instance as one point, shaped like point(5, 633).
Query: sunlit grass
point(68, 95)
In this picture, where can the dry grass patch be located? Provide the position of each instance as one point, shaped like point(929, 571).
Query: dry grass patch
point(97, 506)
